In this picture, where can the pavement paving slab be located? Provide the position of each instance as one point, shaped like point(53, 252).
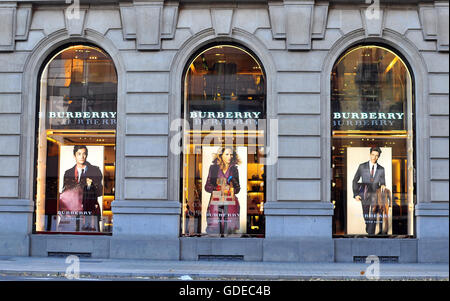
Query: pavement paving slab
point(220, 269)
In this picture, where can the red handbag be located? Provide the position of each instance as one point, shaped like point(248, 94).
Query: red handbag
point(71, 199)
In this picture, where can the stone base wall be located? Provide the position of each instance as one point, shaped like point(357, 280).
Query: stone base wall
point(151, 42)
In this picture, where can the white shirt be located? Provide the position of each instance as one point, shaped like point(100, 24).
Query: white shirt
point(80, 171)
point(374, 169)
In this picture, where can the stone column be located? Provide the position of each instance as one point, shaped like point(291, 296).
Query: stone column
point(432, 232)
point(298, 231)
point(15, 226)
point(146, 230)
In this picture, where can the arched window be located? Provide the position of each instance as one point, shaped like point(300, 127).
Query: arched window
point(76, 136)
point(223, 173)
point(372, 143)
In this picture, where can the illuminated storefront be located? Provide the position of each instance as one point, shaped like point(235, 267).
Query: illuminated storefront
point(372, 112)
point(260, 131)
point(223, 175)
point(76, 130)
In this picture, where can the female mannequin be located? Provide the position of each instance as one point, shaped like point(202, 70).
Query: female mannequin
point(223, 219)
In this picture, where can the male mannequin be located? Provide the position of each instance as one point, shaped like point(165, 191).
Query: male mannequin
point(372, 177)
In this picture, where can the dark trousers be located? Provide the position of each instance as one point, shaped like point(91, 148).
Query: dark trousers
point(369, 218)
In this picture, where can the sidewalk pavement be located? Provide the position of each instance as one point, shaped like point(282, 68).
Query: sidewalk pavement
point(217, 270)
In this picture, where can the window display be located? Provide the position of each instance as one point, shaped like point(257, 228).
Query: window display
point(224, 137)
point(76, 132)
point(372, 144)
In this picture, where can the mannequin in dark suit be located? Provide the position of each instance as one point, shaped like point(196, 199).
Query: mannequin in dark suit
point(372, 177)
point(89, 178)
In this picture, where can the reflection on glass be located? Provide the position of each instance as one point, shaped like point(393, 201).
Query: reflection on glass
point(369, 88)
point(223, 173)
point(76, 142)
point(372, 144)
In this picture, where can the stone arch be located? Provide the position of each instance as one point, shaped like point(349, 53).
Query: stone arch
point(417, 68)
point(179, 62)
point(30, 80)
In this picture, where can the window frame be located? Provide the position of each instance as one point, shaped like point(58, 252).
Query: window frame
point(411, 109)
point(184, 72)
point(43, 65)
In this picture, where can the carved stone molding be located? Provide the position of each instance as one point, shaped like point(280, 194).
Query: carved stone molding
point(75, 23)
point(169, 20)
point(221, 20)
point(148, 25)
point(299, 24)
point(276, 14)
point(23, 17)
point(127, 16)
point(148, 22)
point(319, 21)
point(14, 24)
point(373, 21)
point(298, 21)
point(7, 26)
point(434, 20)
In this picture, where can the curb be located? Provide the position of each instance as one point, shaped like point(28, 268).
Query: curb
point(214, 277)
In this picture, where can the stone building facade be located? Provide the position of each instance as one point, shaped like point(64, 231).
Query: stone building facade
point(150, 43)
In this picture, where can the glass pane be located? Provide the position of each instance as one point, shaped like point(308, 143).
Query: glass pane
point(76, 142)
point(372, 144)
point(369, 91)
point(223, 170)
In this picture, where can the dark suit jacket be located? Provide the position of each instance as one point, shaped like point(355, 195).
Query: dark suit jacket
point(363, 173)
point(89, 195)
